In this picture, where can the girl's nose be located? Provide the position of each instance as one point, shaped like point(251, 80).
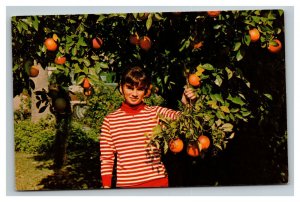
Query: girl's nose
point(134, 92)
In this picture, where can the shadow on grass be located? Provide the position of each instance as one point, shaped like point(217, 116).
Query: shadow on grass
point(82, 170)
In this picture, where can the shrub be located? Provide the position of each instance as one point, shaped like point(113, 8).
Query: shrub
point(34, 137)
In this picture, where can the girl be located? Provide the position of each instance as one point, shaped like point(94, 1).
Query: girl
point(123, 133)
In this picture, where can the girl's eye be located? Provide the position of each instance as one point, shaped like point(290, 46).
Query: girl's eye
point(130, 87)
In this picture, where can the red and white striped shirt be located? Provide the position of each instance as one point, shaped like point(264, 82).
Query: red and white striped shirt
point(126, 133)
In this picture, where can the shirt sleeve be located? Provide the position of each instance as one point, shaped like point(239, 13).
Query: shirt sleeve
point(168, 113)
point(107, 151)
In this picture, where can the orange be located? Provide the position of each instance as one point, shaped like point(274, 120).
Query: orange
point(176, 145)
point(213, 13)
point(134, 39)
point(34, 71)
point(204, 141)
point(60, 60)
point(192, 149)
point(254, 34)
point(194, 80)
point(273, 48)
point(86, 83)
point(198, 45)
point(97, 42)
point(145, 43)
point(50, 44)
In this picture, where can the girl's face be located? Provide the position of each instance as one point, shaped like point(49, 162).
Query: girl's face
point(133, 95)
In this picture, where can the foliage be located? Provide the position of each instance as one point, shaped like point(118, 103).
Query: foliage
point(39, 137)
point(34, 137)
point(82, 167)
point(231, 67)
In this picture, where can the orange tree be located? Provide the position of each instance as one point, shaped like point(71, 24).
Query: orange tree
point(239, 69)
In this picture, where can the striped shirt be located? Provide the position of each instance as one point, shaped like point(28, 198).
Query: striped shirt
point(127, 134)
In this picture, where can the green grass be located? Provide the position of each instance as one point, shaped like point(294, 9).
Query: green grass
point(30, 171)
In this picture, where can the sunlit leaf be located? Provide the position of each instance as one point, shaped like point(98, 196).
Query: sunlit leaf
point(212, 104)
point(229, 73)
point(237, 46)
point(80, 79)
point(149, 22)
point(225, 109)
point(269, 96)
point(227, 127)
point(220, 114)
point(218, 80)
point(208, 67)
point(239, 56)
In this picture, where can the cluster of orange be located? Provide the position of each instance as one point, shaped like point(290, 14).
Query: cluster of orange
point(193, 148)
point(144, 42)
point(273, 48)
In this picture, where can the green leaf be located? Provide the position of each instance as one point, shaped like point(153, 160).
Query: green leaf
point(218, 80)
point(95, 57)
point(81, 42)
point(213, 104)
point(219, 98)
point(256, 19)
point(225, 109)
point(19, 27)
point(80, 79)
point(220, 114)
point(248, 22)
point(245, 113)
point(239, 56)
point(227, 127)
point(234, 110)
point(86, 62)
point(103, 65)
point(185, 45)
point(158, 16)
point(74, 51)
point(35, 23)
point(280, 11)
point(85, 70)
point(229, 73)
point(237, 46)
point(269, 96)
point(77, 68)
point(208, 67)
point(218, 146)
point(24, 26)
point(166, 78)
point(247, 39)
point(149, 22)
point(236, 100)
point(231, 136)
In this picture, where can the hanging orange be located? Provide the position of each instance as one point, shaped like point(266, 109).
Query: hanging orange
point(176, 145)
point(204, 141)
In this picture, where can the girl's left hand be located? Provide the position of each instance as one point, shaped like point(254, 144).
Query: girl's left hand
point(187, 95)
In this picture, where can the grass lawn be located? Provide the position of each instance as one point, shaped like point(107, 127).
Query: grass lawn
point(30, 171)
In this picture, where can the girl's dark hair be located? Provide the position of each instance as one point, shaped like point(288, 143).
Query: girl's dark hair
point(135, 76)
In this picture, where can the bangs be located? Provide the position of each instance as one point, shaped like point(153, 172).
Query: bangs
point(138, 82)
